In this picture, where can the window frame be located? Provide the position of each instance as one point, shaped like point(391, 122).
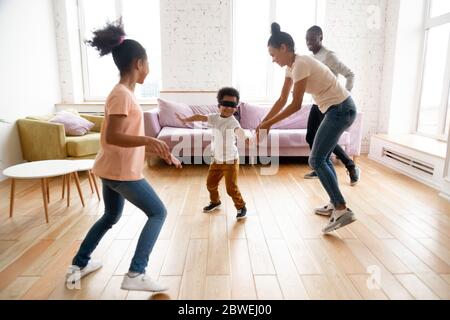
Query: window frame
point(444, 108)
point(269, 94)
point(87, 96)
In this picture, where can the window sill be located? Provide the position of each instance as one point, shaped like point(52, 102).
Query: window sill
point(419, 143)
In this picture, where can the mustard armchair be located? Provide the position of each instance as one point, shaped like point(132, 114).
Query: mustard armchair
point(44, 140)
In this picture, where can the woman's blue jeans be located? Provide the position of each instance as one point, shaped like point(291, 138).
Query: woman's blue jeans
point(337, 119)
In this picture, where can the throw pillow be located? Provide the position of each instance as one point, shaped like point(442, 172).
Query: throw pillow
point(73, 125)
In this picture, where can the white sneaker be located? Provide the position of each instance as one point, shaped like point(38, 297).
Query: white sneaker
point(339, 219)
point(74, 273)
point(325, 211)
point(142, 283)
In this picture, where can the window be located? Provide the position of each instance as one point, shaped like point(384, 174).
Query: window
point(141, 21)
point(439, 7)
point(434, 115)
point(254, 74)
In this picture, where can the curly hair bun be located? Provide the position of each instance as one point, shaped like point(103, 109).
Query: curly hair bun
point(275, 28)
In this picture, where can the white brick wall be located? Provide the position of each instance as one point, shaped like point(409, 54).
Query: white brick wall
point(392, 15)
point(64, 54)
point(196, 44)
point(355, 30)
point(69, 59)
point(197, 57)
point(197, 49)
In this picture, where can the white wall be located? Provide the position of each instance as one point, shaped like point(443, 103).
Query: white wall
point(197, 47)
point(355, 30)
point(29, 73)
point(69, 53)
point(197, 51)
point(390, 42)
point(196, 44)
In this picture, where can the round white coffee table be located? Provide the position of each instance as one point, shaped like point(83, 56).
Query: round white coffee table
point(42, 170)
point(87, 165)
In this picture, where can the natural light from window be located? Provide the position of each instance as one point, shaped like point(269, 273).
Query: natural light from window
point(434, 116)
point(439, 7)
point(254, 74)
point(142, 23)
point(433, 79)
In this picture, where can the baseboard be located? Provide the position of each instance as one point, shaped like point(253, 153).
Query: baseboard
point(445, 195)
point(406, 173)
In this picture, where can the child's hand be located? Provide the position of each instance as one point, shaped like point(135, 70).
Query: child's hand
point(180, 117)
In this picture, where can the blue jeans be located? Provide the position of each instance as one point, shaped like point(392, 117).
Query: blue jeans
point(337, 119)
point(142, 195)
point(314, 120)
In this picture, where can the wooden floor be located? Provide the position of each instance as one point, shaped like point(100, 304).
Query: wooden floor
point(398, 249)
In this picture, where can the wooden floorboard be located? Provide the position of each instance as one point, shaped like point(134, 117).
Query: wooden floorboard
point(399, 248)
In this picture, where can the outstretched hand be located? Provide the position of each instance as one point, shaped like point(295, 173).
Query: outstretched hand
point(181, 118)
point(262, 131)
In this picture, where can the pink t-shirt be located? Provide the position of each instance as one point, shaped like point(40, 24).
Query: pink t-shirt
point(114, 162)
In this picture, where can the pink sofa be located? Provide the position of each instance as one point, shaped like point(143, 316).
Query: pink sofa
point(288, 137)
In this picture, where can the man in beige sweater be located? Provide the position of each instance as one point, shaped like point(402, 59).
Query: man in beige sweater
point(314, 38)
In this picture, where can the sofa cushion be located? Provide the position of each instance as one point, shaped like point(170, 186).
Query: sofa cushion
point(193, 139)
point(74, 125)
point(296, 138)
point(167, 117)
point(189, 138)
point(204, 109)
point(167, 110)
point(252, 115)
point(45, 117)
point(49, 116)
point(84, 145)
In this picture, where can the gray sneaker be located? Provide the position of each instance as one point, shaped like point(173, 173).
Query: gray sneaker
point(325, 211)
point(311, 175)
point(339, 222)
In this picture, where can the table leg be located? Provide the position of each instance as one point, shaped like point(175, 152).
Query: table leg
point(44, 197)
point(90, 181)
point(11, 203)
point(77, 181)
point(95, 183)
point(68, 189)
point(63, 186)
point(48, 190)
